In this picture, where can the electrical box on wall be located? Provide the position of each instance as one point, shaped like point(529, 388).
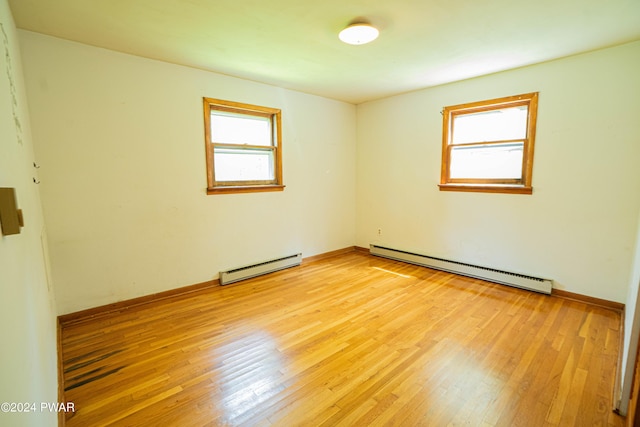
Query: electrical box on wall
point(10, 216)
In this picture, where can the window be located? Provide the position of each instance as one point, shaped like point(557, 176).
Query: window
point(243, 147)
point(487, 146)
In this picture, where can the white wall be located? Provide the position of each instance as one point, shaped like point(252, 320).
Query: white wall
point(121, 143)
point(631, 328)
point(28, 361)
point(578, 227)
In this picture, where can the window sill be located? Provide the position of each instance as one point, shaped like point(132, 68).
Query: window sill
point(244, 189)
point(511, 189)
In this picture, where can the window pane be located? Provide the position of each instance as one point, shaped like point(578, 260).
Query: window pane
point(232, 128)
point(243, 165)
point(494, 125)
point(496, 161)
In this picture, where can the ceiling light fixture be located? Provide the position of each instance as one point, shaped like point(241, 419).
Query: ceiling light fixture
point(359, 33)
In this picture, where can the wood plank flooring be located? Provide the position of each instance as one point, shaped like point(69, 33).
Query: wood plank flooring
point(351, 340)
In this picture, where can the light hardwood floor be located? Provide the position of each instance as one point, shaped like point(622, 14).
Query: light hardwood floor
point(347, 340)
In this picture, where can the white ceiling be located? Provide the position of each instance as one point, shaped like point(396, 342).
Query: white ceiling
point(294, 43)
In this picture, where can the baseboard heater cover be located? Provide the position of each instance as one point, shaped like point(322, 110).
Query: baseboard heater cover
point(249, 271)
point(535, 284)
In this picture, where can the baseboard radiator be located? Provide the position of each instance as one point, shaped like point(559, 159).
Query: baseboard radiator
point(249, 271)
point(535, 284)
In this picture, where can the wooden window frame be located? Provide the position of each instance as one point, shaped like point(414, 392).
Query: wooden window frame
point(518, 186)
point(228, 187)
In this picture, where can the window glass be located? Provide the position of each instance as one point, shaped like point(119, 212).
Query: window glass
point(487, 161)
point(495, 125)
point(243, 165)
point(240, 129)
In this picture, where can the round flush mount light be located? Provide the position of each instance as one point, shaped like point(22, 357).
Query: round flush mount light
point(359, 33)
